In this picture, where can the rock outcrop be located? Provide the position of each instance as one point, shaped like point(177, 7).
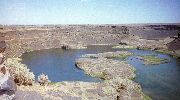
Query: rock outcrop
point(7, 84)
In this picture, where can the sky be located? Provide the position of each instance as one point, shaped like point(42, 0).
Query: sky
point(89, 11)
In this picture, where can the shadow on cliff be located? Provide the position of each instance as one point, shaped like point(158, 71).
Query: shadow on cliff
point(174, 45)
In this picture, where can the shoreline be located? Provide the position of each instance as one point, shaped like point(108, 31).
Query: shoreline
point(22, 39)
point(109, 83)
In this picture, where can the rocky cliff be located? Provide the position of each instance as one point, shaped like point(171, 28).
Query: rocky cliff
point(17, 39)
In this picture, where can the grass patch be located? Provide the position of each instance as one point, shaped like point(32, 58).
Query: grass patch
point(101, 75)
point(131, 78)
point(53, 83)
point(90, 56)
point(28, 50)
point(152, 60)
point(163, 51)
point(167, 52)
point(124, 47)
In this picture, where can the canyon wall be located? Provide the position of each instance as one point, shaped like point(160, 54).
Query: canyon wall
point(17, 39)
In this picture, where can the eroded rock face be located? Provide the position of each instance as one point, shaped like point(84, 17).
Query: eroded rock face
point(147, 44)
point(20, 39)
point(175, 46)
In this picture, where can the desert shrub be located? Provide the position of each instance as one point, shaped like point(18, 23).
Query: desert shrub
point(43, 79)
point(28, 50)
point(19, 72)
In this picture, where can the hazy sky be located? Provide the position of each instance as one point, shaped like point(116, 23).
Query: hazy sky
point(89, 11)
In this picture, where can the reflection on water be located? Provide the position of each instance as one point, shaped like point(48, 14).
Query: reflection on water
point(160, 82)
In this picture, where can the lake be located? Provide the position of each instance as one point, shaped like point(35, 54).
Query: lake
point(160, 82)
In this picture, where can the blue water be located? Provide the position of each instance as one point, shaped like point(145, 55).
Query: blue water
point(59, 64)
point(160, 82)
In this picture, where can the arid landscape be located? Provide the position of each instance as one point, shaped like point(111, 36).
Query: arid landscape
point(89, 50)
point(18, 39)
point(117, 75)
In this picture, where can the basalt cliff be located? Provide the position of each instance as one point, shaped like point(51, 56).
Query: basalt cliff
point(17, 39)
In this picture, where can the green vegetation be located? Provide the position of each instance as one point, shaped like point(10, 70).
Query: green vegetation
point(101, 75)
point(53, 83)
point(163, 51)
point(124, 47)
point(152, 59)
point(131, 78)
point(90, 56)
point(166, 52)
point(28, 50)
point(19, 72)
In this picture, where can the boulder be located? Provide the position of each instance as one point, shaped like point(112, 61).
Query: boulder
point(7, 85)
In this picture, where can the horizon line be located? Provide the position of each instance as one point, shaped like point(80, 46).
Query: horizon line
point(97, 24)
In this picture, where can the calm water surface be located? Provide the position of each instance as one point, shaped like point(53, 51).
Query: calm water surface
point(160, 82)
